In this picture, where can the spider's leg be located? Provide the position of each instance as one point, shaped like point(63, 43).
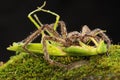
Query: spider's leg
point(84, 37)
point(87, 39)
point(85, 30)
point(55, 33)
point(51, 31)
point(86, 34)
point(100, 32)
point(95, 32)
point(46, 54)
point(31, 38)
point(63, 29)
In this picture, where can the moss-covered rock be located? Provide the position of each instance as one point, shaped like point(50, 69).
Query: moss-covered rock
point(26, 67)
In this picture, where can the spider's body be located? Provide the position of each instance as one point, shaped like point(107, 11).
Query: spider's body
point(73, 38)
point(66, 39)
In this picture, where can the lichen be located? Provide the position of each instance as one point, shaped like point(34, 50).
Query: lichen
point(26, 67)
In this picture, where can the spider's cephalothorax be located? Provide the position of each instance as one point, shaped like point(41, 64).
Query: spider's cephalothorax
point(73, 38)
point(66, 39)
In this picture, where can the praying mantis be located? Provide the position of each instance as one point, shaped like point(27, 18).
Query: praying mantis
point(61, 44)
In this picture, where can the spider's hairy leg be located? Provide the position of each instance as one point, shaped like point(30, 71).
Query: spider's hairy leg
point(95, 32)
point(51, 31)
point(63, 29)
point(86, 34)
point(100, 32)
point(85, 30)
point(55, 33)
point(84, 37)
point(46, 54)
point(31, 38)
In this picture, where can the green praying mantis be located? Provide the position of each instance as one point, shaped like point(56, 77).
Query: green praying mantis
point(85, 43)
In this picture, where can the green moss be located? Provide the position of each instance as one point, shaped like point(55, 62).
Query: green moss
point(27, 67)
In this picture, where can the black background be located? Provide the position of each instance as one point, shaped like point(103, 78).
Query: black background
point(15, 26)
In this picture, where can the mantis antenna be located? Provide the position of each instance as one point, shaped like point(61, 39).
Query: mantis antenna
point(47, 11)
